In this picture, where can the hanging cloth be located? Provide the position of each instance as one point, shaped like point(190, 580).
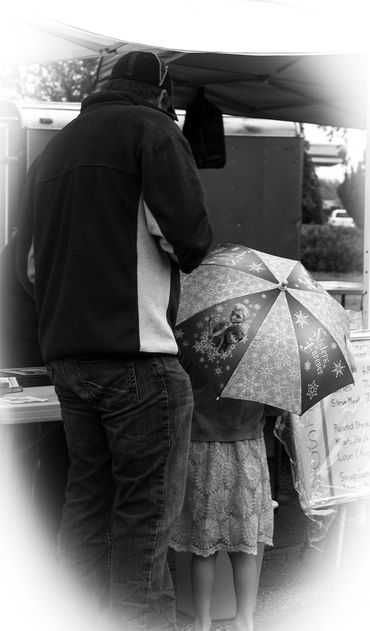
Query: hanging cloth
point(204, 129)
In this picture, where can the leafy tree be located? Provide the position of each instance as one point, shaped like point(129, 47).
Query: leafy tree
point(312, 207)
point(335, 133)
point(352, 193)
point(70, 80)
point(329, 195)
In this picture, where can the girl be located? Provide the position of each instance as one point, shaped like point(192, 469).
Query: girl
point(228, 504)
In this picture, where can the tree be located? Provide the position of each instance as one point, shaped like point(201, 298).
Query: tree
point(312, 207)
point(352, 193)
point(329, 195)
point(70, 80)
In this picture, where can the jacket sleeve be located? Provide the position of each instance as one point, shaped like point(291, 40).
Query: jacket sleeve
point(272, 411)
point(17, 308)
point(174, 195)
point(24, 247)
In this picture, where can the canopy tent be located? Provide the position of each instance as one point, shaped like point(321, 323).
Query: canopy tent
point(304, 79)
point(326, 88)
point(321, 89)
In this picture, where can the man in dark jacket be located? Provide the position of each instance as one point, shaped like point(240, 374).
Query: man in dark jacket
point(113, 210)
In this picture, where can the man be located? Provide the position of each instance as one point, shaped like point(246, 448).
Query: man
point(114, 208)
point(42, 457)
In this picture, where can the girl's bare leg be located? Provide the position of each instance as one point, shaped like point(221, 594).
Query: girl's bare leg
point(203, 571)
point(246, 574)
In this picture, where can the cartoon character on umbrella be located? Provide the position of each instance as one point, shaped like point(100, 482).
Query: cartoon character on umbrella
point(225, 334)
point(286, 342)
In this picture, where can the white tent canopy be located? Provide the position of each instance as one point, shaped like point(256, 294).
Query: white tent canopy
point(259, 59)
point(230, 26)
point(321, 89)
point(300, 60)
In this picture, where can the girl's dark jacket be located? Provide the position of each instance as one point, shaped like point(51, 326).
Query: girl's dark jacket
point(113, 208)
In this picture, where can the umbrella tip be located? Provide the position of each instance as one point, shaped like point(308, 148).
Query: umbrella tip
point(283, 285)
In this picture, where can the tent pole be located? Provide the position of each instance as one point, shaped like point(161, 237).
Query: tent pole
point(366, 280)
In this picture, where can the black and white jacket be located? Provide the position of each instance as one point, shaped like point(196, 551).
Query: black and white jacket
point(113, 209)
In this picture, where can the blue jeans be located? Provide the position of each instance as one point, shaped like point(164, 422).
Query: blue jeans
point(127, 423)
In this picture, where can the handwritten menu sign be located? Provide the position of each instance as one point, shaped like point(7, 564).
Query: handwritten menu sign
point(332, 439)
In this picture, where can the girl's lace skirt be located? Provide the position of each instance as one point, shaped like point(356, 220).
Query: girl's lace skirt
point(228, 504)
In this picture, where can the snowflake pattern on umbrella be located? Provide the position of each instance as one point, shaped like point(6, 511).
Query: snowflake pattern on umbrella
point(261, 328)
point(270, 371)
point(320, 355)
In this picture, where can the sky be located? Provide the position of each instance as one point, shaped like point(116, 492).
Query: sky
point(356, 144)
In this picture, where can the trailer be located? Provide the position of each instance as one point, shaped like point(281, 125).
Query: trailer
point(25, 129)
point(255, 199)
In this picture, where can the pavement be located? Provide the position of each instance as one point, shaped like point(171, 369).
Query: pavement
point(320, 587)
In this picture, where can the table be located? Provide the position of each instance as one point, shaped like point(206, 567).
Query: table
point(342, 288)
point(15, 414)
point(37, 412)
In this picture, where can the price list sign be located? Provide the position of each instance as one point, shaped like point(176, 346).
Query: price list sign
point(332, 439)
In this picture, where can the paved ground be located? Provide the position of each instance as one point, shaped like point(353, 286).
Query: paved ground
point(302, 588)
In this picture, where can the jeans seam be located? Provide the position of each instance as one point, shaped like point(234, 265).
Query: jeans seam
point(160, 364)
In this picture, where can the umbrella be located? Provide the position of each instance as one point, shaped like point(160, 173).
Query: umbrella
point(262, 329)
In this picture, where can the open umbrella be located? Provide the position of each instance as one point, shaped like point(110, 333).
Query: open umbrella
point(263, 329)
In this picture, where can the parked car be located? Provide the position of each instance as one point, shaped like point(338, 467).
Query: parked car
point(340, 217)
